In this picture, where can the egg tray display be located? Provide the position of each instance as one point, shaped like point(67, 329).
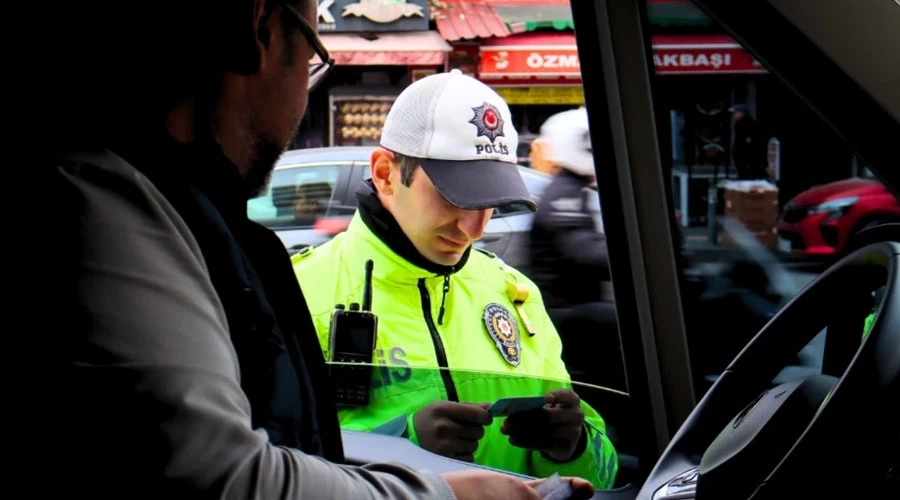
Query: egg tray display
point(362, 120)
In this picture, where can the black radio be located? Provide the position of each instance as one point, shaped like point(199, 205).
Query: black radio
point(352, 344)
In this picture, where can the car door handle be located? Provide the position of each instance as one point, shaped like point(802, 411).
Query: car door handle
point(490, 238)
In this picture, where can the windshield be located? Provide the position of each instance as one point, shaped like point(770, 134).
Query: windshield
point(764, 197)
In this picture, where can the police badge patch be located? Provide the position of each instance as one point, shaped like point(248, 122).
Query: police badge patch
point(504, 330)
point(487, 121)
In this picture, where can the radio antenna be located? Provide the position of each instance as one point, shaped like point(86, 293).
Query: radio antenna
point(367, 287)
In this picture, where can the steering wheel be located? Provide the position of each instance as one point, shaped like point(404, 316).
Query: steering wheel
point(745, 440)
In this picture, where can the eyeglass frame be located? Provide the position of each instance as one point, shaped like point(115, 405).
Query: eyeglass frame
point(318, 71)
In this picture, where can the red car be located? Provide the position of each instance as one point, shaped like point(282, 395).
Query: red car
point(818, 221)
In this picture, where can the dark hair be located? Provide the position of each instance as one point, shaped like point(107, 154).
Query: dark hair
point(290, 30)
point(408, 167)
point(126, 62)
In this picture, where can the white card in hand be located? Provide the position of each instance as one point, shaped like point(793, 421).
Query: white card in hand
point(555, 488)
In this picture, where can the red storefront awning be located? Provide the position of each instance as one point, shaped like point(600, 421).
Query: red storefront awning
point(469, 20)
point(420, 48)
point(554, 56)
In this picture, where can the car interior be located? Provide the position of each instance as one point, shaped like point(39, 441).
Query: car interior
point(809, 405)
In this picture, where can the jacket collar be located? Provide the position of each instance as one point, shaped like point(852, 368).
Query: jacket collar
point(382, 227)
point(200, 166)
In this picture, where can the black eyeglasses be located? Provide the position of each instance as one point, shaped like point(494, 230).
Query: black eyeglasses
point(319, 70)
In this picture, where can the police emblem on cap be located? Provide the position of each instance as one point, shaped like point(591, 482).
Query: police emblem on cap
point(504, 330)
point(488, 121)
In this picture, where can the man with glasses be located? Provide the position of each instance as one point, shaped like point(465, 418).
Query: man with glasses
point(184, 361)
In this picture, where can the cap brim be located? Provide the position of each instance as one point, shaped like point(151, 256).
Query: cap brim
point(478, 184)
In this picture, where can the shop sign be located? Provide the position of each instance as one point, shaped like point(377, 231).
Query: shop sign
point(549, 61)
point(704, 59)
point(341, 16)
point(523, 62)
point(559, 95)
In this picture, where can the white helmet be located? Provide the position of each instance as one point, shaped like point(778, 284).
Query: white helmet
point(568, 141)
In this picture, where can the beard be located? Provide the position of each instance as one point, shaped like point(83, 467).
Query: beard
point(265, 149)
point(265, 155)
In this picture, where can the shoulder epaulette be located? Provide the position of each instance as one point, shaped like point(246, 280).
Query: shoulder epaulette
point(301, 254)
point(493, 256)
point(487, 252)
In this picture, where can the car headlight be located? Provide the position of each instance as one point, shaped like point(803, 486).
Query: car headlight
point(837, 205)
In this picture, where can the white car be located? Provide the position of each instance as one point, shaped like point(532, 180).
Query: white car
point(311, 198)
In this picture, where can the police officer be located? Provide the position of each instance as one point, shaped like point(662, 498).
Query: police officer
point(447, 159)
point(568, 255)
point(538, 159)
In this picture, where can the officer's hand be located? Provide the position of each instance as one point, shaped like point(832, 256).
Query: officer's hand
point(556, 430)
point(452, 429)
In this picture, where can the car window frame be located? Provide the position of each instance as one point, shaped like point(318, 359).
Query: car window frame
point(339, 191)
point(640, 217)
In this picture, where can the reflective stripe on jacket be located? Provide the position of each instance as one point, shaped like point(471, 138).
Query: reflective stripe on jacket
point(412, 343)
point(867, 326)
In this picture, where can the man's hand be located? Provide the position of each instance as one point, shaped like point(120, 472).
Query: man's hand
point(452, 429)
point(486, 485)
point(582, 489)
point(556, 430)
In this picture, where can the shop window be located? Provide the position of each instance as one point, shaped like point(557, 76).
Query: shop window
point(358, 121)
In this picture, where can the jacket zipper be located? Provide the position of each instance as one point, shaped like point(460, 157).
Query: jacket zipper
point(444, 298)
point(449, 386)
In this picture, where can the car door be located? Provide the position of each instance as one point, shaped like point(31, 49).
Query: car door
point(346, 202)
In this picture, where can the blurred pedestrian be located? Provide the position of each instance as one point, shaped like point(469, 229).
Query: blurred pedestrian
point(567, 251)
point(747, 148)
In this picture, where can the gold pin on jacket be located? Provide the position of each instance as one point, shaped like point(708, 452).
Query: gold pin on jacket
point(518, 294)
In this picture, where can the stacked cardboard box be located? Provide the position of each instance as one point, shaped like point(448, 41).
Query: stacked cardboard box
point(755, 205)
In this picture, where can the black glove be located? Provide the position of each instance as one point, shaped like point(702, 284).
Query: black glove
point(452, 429)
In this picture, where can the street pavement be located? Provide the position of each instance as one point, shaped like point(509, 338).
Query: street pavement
point(695, 242)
